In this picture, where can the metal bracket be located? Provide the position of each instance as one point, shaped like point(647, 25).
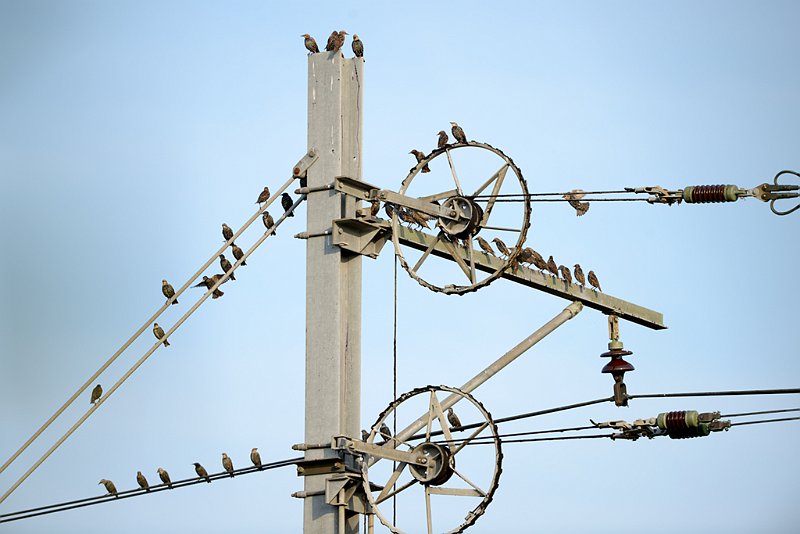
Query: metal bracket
point(301, 167)
point(360, 236)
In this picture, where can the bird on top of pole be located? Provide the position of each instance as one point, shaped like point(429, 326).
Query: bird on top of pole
point(311, 44)
point(358, 46)
point(458, 133)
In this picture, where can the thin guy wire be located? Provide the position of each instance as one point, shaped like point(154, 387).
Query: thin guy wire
point(743, 423)
point(760, 413)
point(151, 351)
point(43, 510)
point(147, 323)
point(717, 393)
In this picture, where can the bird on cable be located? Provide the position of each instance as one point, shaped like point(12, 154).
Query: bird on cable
point(455, 422)
point(237, 253)
point(264, 196)
point(168, 291)
point(164, 476)
point(268, 221)
point(385, 432)
point(227, 463)
point(443, 139)
point(565, 274)
point(311, 44)
point(159, 333)
point(458, 132)
point(374, 208)
point(226, 265)
point(579, 275)
point(97, 392)
point(420, 156)
point(227, 233)
point(110, 487)
point(538, 261)
point(501, 246)
point(208, 283)
point(487, 248)
point(364, 436)
point(201, 471)
point(142, 481)
point(552, 267)
point(593, 281)
point(255, 457)
point(573, 197)
point(358, 46)
point(286, 202)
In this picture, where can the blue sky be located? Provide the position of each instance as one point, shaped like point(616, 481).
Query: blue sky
point(131, 130)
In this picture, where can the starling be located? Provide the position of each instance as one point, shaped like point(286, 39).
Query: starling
point(339, 40)
point(226, 265)
point(364, 436)
point(593, 281)
point(201, 472)
point(208, 283)
point(227, 464)
point(487, 248)
point(168, 291)
point(375, 208)
point(264, 196)
point(385, 432)
point(110, 487)
point(552, 267)
point(164, 476)
point(501, 246)
point(443, 139)
point(389, 209)
point(420, 219)
point(573, 198)
point(525, 255)
point(358, 46)
point(455, 422)
point(237, 253)
point(159, 333)
point(458, 133)
point(311, 44)
point(269, 222)
point(332, 41)
point(255, 457)
point(565, 274)
point(286, 202)
point(97, 392)
point(142, 481)
point(420, 156)
point(227, 233)
point(579, 275)
point(538, 261)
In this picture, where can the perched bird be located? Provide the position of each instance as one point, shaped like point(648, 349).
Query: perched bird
point(579, 275)
point(159, 333)
point(227, 233)
point(168, 291)
point(593, 281)
point(501, 246)
point(164, 476)
point(364, 435)
point(201, 471)
point(227, 463)
point(487, 248)
point(455, 422)
point(389, 209)
point(420, 218)
point(375, 207)
point(385, 432)
point(339, 40)
point(208, 283)
point(286, 202)
point(525, 255)
point(573, 197)
point(97, 392)
point(420, 156)
point(237, 253)
point(458, 133)
point(110, 487)
point(311, 44)
point(443, 139)
point(358, 46)
point(142, 481)
point(332, 41)
point(269, 222)
point(565, 274)
point(552, 267)
point(264, 196)
point(255, 457)
point(226, 265)
point(538, 261)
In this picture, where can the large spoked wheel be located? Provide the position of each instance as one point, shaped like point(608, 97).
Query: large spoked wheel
point(485, 203)
point(457, 480)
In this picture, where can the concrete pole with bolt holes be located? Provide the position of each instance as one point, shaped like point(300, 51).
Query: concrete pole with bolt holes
point(333, 277)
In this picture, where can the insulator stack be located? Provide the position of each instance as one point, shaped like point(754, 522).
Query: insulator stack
point(683, 424)
point(706, 194)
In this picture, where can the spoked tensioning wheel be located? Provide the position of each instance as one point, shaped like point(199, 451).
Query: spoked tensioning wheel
point(473, 196)
point(454, 480)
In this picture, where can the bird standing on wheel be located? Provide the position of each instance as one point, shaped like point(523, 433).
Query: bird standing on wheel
point(443, 139)
point(458, 133)
point(420, 156)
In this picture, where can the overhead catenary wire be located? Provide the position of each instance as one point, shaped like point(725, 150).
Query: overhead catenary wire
point(139, 332)
point(152, 349)
point(101, 499)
